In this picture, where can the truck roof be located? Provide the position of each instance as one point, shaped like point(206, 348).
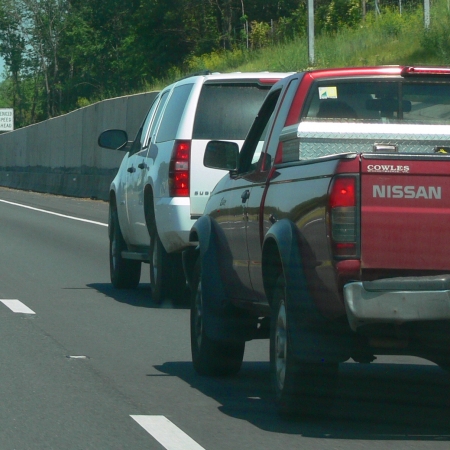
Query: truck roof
point(380, 71)
point(356, 71)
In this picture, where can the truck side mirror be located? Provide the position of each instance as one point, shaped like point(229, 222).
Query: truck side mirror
point(113, 139)
point(221, 155)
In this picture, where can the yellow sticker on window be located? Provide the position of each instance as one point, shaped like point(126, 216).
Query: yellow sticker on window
point(327, 92)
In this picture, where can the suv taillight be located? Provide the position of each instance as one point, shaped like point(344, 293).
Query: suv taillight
point(179, 169)
point(343, 217)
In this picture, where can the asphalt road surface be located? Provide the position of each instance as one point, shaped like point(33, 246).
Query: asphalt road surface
point(85, 366)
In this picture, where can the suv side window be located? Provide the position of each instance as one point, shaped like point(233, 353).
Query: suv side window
point(173, 112)
point(157, 115)
point(139, 141)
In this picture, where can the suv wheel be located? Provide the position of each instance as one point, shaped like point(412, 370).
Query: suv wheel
point(124, 273)
point(166, 273)
point(301, 387)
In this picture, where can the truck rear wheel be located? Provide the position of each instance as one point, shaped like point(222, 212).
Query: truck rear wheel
point(124, 273)
point(301, 387)
point(166, 273)
point(210, 357)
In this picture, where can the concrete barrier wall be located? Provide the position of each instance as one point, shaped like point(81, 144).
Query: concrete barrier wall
point(61, 155)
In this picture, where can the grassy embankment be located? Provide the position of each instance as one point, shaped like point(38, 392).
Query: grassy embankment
point(390, 38)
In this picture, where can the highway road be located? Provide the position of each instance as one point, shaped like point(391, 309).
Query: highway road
point(84, 366)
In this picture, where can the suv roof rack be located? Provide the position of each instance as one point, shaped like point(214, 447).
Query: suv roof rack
point(195, 74)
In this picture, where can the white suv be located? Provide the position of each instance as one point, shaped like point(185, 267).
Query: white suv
point(162, 185)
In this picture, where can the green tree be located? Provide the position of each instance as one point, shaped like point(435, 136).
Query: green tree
point(45, 22)
point(168, 31)
point(12, 48)
point(335, 14)
point(96, 51)
point(259, 34)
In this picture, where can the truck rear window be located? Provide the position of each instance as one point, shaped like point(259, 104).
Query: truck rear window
point(372, 116)
point(226, 111)
point(381, 101)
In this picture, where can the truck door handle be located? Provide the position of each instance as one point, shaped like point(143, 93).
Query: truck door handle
point(245, 195)
point(131, 169)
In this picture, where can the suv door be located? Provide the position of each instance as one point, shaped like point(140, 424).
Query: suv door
point(137, 168)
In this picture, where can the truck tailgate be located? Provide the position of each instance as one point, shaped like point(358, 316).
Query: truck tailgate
point(405, 212)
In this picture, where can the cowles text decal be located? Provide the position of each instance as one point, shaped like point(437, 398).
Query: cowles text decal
point(387, 168)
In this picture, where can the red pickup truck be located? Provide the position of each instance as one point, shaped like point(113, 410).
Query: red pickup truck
point(327, 235)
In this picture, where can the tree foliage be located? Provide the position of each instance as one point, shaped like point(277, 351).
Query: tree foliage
point(12, 46)
point(62, 54)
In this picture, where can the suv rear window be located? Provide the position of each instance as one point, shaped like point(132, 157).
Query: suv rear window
point(226, 111)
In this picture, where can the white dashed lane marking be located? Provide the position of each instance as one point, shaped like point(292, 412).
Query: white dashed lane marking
point(17, 306)
point(54, 213)
point(167, 433)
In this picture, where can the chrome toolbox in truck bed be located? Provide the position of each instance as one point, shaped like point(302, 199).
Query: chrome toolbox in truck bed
point(315, 139)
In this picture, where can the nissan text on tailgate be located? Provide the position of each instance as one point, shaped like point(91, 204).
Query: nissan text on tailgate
point(328, 234)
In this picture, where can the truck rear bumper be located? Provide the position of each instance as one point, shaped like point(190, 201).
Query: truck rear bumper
point(365, 306)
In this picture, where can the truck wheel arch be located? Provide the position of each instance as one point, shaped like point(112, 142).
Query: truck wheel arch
point(280, 254)
point(201, 233)
point(223, 321)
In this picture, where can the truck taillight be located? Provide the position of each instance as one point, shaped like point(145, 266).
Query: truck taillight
point(417, 71)
point(343, 218)
point(179, 169)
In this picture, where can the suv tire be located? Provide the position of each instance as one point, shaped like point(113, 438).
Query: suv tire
point(167, 278)
point(124, 273)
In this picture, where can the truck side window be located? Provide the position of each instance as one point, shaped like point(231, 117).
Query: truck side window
point(249, 158)
point(280, 122)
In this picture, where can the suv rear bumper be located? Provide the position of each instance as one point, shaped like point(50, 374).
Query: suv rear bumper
point(370, 303)
point(173, 222)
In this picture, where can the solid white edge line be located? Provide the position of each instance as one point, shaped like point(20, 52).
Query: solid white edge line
point(167, 433)
point(17, 306)
point(54, 213)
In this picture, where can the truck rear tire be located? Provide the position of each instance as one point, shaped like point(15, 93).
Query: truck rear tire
point(124, 273)
point(210, 357)
point(167, 278)
point(301, 387)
